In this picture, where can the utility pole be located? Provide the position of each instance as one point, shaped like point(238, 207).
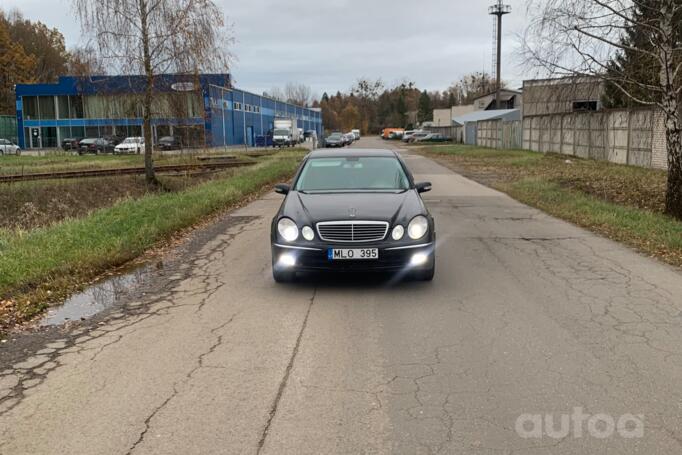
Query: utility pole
point(498, 9)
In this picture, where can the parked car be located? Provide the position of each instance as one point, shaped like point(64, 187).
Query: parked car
point(388, 228)
point(71, 143)
point(114, 139)
point(335, 140)
point(130, 145)
point(169, 143)
point(350, 138)
point(408, 134)
point(8, 147)
point(434, 137)
point(356, 133)
point(418, 136)
point(95, 145)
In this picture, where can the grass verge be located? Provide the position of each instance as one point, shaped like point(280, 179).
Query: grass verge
point(38, 265)
point(69, 161)
point(624, 203)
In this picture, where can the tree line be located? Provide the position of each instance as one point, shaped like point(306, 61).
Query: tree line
point(29, 52)
point(371, 106)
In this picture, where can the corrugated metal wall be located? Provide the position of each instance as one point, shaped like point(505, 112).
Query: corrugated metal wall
point(237, 116)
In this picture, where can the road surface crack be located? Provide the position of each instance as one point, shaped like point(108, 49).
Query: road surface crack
point(200, 364)
point(285, 378)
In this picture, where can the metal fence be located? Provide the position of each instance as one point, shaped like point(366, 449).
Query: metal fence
point(8, 128)
point(499, 134)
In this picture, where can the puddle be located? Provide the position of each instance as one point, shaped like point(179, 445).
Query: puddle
point(96, 298)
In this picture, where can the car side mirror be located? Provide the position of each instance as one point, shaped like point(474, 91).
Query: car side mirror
point(423, 187)
point(282, 188)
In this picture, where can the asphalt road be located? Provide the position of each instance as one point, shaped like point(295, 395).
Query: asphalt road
point(527, 315)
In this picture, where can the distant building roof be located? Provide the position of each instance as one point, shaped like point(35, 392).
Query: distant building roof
point(506, 114)
point(503, 90)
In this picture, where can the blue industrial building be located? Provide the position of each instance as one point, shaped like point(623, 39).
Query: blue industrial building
point(202, 110)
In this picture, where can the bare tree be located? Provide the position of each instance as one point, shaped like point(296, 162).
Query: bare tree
point(297, 93)
point(154, 37)
point(583, 37)
point(84, 61)
point(276, 93)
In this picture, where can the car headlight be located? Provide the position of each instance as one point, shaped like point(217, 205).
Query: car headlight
point(308, 233)
point(398, 232)
point(287, 229)
point(418, 227)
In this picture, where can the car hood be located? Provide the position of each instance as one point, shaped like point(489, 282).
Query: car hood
point(395, 208)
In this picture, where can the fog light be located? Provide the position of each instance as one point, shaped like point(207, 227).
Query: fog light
point(419, 259)
point(288, 260)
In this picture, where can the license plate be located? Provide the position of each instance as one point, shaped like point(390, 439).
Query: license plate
point(348, 254)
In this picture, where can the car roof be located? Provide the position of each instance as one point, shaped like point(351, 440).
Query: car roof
point(324, 153)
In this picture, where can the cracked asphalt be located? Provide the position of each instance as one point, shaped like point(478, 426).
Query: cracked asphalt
point(527, 315)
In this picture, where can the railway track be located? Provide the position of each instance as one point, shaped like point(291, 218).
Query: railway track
point(164, 169)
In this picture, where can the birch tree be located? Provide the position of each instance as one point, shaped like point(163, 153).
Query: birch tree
point(153, 37)
point(586, 37)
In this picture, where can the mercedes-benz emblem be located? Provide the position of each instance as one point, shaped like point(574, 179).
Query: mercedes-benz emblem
point(352, 212)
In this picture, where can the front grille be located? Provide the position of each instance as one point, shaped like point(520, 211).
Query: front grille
point(352, 231)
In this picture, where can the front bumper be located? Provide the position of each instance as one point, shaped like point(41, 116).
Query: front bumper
point(315, 259)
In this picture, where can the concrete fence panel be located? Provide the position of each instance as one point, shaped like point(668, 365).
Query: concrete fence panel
point(555, 134)
point(582, 135)
point(635, 137)
point(526, 134)
point(641, 136)
point(598, 145)
point(567, 134)
point(618, 124)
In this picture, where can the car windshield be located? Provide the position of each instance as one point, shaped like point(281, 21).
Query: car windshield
point(335, 135)
point(281, 132)
point(352, 174)
point(166, 139)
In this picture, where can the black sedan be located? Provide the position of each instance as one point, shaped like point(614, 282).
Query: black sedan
point(358, 210)
point(95, 145)
point(169, 143)
point(71, 143)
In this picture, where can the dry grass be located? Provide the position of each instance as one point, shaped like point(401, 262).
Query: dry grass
point(45, 264)
point(624, 203)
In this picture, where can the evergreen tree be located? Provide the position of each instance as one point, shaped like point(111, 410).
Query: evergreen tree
point(632, 63)
point(424, 113)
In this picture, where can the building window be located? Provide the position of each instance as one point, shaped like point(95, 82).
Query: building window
point(585, 106)
point(30, 104)
point(63, 107)
point(46, 107)
point(75, 106)
point(237, 106)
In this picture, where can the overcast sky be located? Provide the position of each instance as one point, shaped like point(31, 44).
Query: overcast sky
point(328, 44)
